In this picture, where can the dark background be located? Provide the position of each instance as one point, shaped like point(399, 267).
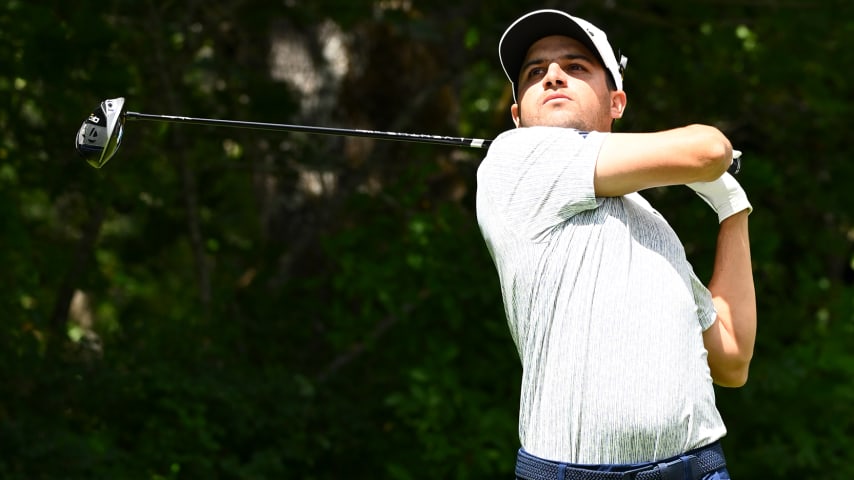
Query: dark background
point(224, 304)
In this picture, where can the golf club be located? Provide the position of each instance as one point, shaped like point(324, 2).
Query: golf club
point(100, 135)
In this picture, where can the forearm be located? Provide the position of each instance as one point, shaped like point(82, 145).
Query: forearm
point(630, 162)
point(730, 341)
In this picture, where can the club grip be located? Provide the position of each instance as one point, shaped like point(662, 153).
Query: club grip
point(735, 167)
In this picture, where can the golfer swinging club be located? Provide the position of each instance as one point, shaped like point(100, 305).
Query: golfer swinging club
point(620, 341)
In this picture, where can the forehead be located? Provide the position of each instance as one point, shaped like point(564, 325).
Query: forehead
point(555, 46)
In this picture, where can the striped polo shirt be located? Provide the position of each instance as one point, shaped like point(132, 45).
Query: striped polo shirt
point(604, 308)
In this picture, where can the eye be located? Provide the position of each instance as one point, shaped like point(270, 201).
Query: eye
point(536, 72)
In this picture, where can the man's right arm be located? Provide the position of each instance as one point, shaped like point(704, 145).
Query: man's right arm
point(630, 162)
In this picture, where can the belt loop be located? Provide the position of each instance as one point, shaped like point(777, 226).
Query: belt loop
point(692, 467)
point(561, 471)
point(674, 470)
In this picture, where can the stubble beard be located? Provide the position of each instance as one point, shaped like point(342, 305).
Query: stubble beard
point(564, 122)
point(597, 120)
point(598, 123)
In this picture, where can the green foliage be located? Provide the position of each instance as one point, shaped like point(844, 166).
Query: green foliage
point(234, 304)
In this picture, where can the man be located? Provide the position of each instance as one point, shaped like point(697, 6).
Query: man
point(620, 342)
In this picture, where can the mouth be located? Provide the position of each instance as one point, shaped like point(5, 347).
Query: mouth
point(555, 96)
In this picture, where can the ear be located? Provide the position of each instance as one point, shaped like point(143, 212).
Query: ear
point(618, 104)
point(514, 113)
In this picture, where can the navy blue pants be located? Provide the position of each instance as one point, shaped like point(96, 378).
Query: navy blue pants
point(719, 474)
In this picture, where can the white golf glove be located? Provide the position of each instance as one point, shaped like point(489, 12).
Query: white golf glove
point(724, 195)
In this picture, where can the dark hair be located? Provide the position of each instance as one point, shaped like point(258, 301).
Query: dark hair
point(612, 85)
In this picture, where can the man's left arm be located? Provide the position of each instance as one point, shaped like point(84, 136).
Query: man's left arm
point(730, 339)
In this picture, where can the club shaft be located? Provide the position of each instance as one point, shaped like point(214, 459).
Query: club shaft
point(404, 137)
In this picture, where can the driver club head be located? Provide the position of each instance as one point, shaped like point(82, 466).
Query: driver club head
point(101, 134)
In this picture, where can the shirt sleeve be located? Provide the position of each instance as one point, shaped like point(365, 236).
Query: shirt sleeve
point(538, 177)
point(706, 312)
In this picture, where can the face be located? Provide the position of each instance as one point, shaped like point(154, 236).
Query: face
point(563, 85)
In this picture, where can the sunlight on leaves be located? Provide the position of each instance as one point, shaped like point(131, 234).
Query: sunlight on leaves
point(748, 38)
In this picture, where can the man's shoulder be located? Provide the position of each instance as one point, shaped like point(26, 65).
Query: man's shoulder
point(540, 133)
point(522, 146)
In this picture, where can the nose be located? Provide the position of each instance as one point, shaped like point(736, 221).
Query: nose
point(555, 76)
